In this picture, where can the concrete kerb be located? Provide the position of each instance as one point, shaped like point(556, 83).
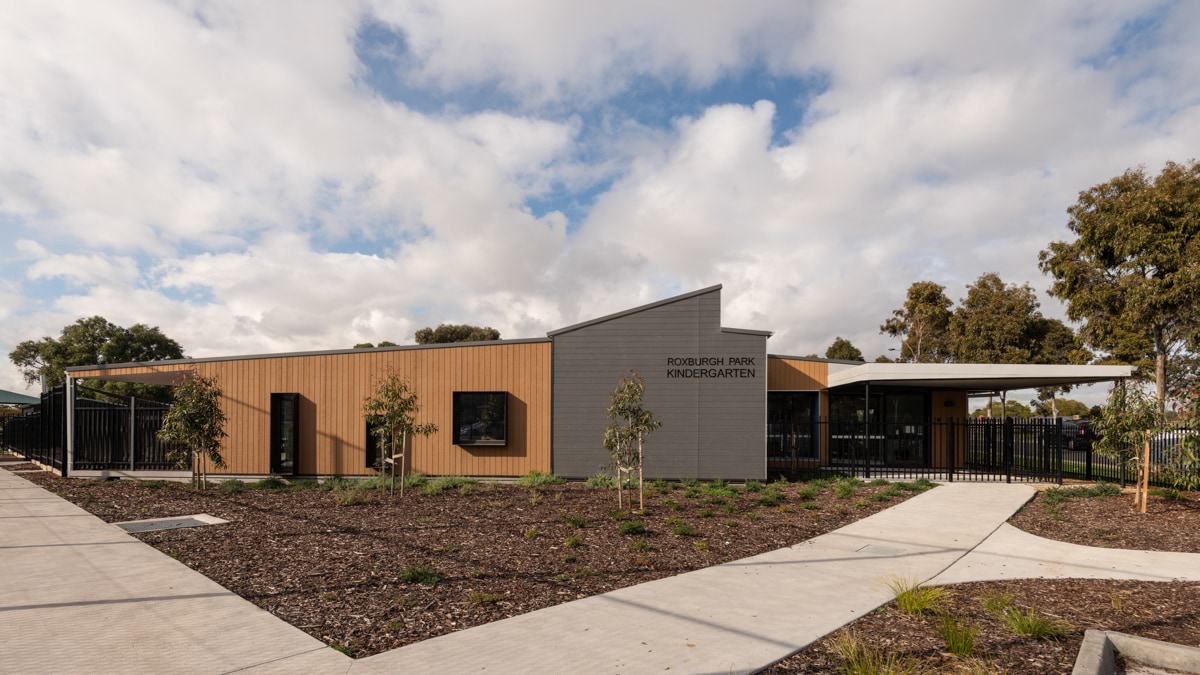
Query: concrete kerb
point(1098, 653)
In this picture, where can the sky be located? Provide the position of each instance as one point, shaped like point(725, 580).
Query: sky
point(276, 176)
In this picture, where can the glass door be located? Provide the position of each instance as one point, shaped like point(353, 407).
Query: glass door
point(855, 433)
point(285, 412)
point(904, 429)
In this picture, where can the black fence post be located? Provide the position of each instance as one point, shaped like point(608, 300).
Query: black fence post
point(1008, 449)
point(1058, 449)
point(951, 448)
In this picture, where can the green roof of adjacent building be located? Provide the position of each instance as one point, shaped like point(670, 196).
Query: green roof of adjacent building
point(13, 398)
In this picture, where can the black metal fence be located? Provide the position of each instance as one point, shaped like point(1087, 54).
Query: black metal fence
point(1011, 450)
point(108, 436)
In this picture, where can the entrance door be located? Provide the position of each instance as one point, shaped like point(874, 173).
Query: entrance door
point(855, 434)
point(285, 412)
point(904, 430)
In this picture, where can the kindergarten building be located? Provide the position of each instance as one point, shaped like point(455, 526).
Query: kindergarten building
point(729, 407)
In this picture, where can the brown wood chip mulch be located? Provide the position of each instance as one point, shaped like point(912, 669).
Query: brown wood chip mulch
point(337, 572)
point(1111, 522)
point(1159, 610)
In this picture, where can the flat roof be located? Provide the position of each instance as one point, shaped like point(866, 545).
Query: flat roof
point(817, 359)
point(14, 398)
point(327, 352)
point(976, 376)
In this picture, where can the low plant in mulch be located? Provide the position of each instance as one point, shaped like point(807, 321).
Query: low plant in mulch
point(632, 527)
point(1034, 624)
point(420, 575)
point(913, 598)
point(860, 657)
point(537, 478)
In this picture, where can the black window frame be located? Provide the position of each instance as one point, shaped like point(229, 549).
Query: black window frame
point(457, 421)
point(277, 435)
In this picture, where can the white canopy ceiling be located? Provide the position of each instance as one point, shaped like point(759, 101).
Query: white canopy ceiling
point(973, 376)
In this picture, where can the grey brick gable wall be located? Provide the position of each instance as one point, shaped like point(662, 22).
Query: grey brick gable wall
point(712, 427)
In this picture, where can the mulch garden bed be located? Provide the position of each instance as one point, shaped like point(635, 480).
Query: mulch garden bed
point(1159, 610)
point(366, 572)
point(1171, 521)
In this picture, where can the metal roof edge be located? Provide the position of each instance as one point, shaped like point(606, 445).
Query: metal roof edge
point(747, 331)
point(327, 352)
point(634, 310)
point(817, 359)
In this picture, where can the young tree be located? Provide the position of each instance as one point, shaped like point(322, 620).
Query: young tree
point(1125, 426)
point(843, 349)
point(195, 426)
point(922, 324)
point(391, 412)
point(448, 332)
point(96, 340)
point(1131, 275)
point(629, 424)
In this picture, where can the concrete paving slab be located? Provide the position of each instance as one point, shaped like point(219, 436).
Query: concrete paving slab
point(732, 618)
point(1012, 553)
point(86, 597)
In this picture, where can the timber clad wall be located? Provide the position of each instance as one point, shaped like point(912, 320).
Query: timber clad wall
point(332, 388)
point(711, 428)
point(784, 374)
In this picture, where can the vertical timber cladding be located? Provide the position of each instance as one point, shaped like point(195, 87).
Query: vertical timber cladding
point(331, 386)
point(706, 386)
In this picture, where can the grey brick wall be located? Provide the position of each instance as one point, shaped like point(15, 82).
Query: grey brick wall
point(711, 428)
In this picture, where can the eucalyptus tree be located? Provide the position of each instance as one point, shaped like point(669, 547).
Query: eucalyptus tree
point(194, 427)
point(629, 424)
point(391, 410)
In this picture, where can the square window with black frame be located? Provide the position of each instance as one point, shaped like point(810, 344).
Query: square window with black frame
point(480, 418)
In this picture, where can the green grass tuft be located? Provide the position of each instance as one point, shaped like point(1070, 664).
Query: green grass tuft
point(753, 486)
point(685, 530)
point(959, 635)
point(575, 521)
point(269, 483)
point(1034, 624)
point(440, 485)
point(997, 603)
point(536, 478)
point(913, 598)
point(1059, 495)
point(860, 658)
point(480, 598)
point(573, 541)
point(232, 486)
point(420, 574)
point(351, 497)
point(632, 527)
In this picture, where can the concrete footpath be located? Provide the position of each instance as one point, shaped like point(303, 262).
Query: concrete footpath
point(732, 618)
point(78, 595)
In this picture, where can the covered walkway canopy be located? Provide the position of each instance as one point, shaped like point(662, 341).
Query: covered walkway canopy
point(972, 377)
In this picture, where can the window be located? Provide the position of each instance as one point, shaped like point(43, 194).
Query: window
point(480, 417)
point(285, 409)
point(374, 459)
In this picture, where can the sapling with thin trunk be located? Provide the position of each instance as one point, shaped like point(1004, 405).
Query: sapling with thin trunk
point(195, 426)
point(629, 424)
point(391, 411)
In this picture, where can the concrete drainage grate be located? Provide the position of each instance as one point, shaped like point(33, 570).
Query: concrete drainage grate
point(178, 522)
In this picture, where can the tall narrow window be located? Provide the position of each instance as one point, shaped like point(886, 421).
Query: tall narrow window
point(480, 417)
point(285, 414)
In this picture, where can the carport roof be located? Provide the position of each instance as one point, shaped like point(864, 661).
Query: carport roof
point(975, 376)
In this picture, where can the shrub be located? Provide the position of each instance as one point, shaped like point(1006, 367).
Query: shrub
point(685, 530)
point(531, 533)
point(660, 484)
point(772, 497)
point(574, 520)
point(860, 658)
point(807, 492)
point(959, 636)
point(808, 506)
point(860, 503)
point(573, 541)
point(691, 482)
point(730, 508)
point(693, 492)
point(1033, 624)
point(1170, 494)
point(601, 480)
point(415, 479)
point(618, 515)
point(233, 486)
point(479, 598)
point(845, 488)
point(893, 491)
point(420, 575)
point(913, 598)
point(632, 527)
point(536, 478)
point(671, 505)
point(351, 497)
point(269, 483)
point(440, 485)
point(879, 481)
point(1059, 495)
point(753, 486)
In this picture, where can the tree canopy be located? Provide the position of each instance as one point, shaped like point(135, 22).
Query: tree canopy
point(922, 324)
point(1063, 407)
point(95, 340)
point(448, 332)
point(843, 349)
point(371, 345)
point(1131, 273)
point(1012, 408)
